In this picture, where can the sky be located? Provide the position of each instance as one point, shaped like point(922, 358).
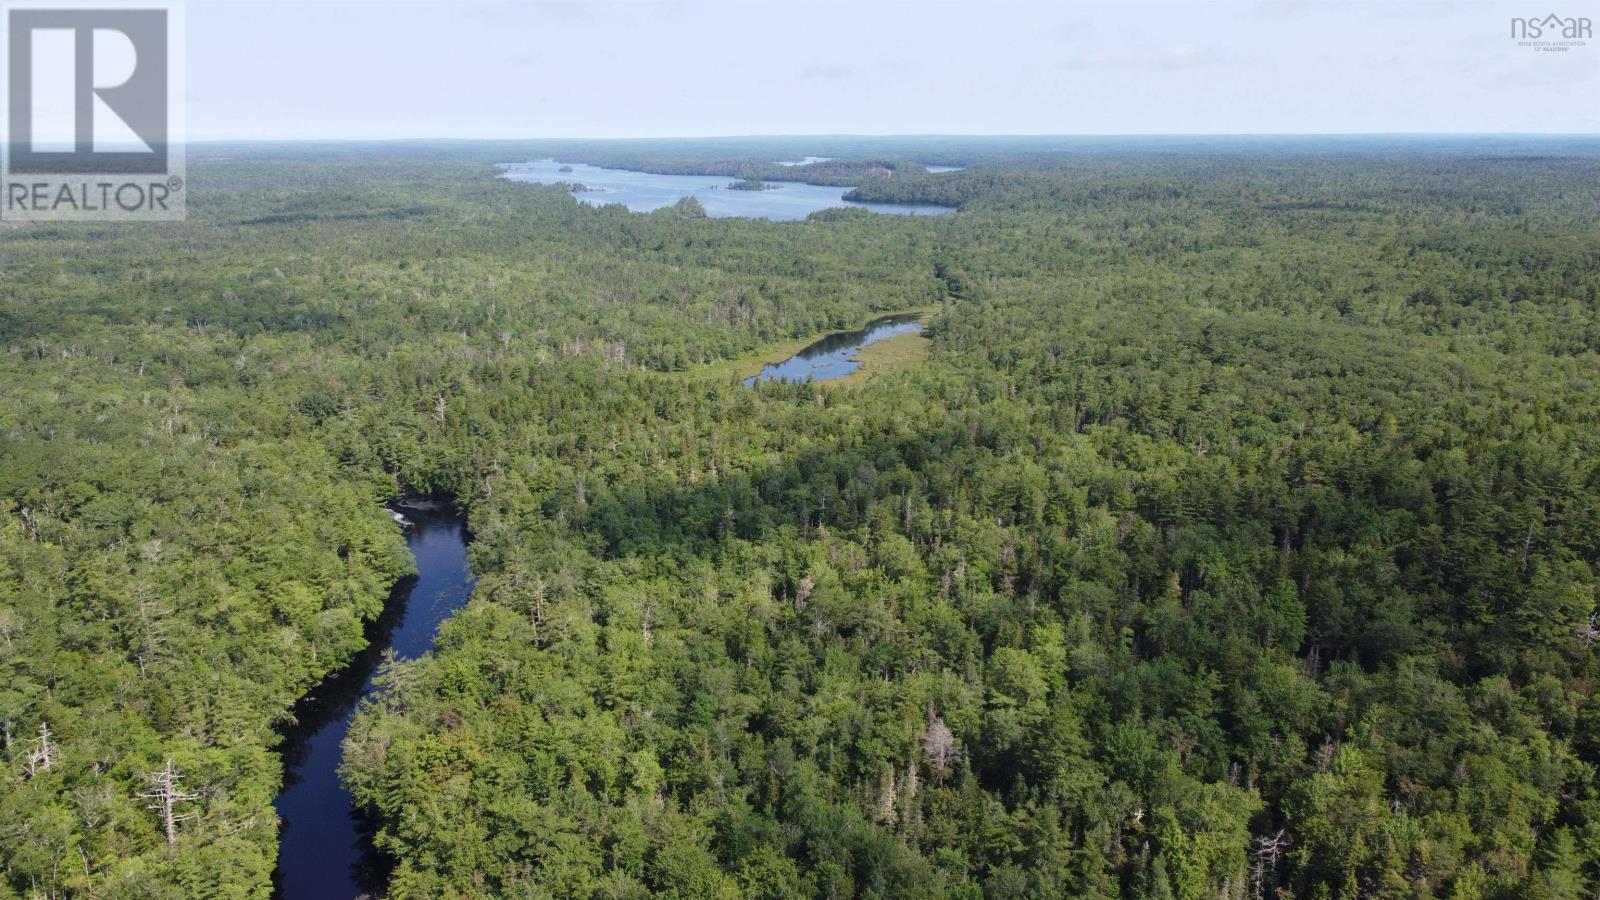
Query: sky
point(659, 68)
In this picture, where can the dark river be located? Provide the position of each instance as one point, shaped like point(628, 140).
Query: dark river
point(835, 355)
point(325, 849)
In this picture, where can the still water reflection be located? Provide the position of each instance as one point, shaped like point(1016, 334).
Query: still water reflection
point(834, 356)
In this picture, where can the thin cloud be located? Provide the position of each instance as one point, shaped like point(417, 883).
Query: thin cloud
point(500, 13)
point(1076, 30)
point(1152, 61)
point(827, 72)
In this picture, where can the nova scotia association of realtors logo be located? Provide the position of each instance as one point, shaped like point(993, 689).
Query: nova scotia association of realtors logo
point(93, 113)
point(1552, 33)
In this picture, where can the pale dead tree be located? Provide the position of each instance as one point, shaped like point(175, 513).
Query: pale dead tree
point(536, 608)
point(908, 795)
point(884, 810)
point(802, 591)
point(8, 628)
point(1326, 753)
point(1268, 851)
point(44, 753)
point(439, 406)
point(150, 630)
point(166, 792)
point(938, 744)
point(1591, 632)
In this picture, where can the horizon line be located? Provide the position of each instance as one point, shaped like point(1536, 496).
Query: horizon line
point(904, 136)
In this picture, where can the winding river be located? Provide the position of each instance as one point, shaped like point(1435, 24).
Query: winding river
point(325, 849)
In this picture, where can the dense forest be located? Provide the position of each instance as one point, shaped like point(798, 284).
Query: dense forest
point(1236, 537)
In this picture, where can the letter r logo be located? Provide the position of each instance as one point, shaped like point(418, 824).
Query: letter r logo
point(94, 80)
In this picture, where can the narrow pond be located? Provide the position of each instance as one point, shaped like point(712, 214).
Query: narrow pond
point(645, 191)
point(835, 355)
point(325, 848)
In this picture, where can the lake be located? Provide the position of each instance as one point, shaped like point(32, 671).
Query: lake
point(644, 191)
point(834, 356)
point(325, 845)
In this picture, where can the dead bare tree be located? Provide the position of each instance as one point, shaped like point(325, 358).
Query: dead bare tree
point(1591, 632)
point(44, 754)
point(803, 591)
point(1326, 753)
point(536, 615)
point(150, 628)
point(8, 627)
point(884, 810)
point(938, 744)
point(166, 792)
point(908, 796)
point(1269, 850)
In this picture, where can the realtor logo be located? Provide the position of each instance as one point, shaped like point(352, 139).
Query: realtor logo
point(1552, 33)
point(90, 117)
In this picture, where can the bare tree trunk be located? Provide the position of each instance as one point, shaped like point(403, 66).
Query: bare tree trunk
point(44, 755)
point(166, 792)
point(1269, 849)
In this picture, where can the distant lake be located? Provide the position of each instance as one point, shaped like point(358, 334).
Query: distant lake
point(834, 356)
point(643, 192)
point(937, 169)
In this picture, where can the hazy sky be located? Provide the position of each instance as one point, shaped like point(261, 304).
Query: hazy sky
point(641, 68)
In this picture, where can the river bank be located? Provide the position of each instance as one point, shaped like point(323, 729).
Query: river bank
point(325, 844)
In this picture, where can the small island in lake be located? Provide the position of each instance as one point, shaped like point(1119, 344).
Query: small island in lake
point(751, 184)
point(564, 169)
